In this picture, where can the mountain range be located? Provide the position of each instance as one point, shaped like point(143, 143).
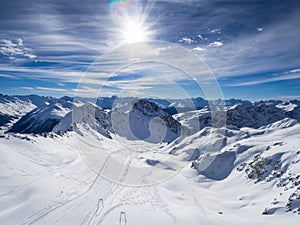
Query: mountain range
point(92, 161)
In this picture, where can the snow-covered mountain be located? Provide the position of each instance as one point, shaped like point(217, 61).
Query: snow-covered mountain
point(148, 121)
point(13, 107)
point(254, 115)
point(134, 163)
point(18, 105)
point(43, 118)
point(48, 112)
point(172, 106)
point(89, 115)
point(145, 120)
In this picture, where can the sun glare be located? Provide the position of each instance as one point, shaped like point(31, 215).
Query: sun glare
point(131, 21)
point(134, 32)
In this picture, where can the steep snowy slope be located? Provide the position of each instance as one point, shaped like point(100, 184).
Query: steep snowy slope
point(194, 120)
point(293, 110)
point(270, 159)
point(144, 120)
point(42, 119)
point(19, 105)
point(4, 119)
point(13, 107)
point(89, 115)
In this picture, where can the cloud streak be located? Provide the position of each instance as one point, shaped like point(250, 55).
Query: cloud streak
point(290, 75)
point(15, 49)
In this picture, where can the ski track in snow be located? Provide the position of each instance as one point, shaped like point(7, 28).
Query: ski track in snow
point(56, 207)
point(262, 176)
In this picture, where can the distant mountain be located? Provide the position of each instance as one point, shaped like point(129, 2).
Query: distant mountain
point(244, 114)
point(106, 102)
point(144, 120)
point(138, 118)
point(172, 106)
point(254, 115)
point(175, 106)
point(13, 107)
point(43, 118)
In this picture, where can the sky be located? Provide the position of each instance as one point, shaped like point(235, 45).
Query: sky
point(209, 48)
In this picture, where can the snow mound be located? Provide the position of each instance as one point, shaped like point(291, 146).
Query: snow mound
point(215, 166)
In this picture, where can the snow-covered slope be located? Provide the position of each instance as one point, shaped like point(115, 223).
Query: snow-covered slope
point(270, 159)
point(246, 176)
point(19, 105)
point(13, 107)
point(293, 110)
point(131, 165)
point(43, 118)
point(144, 120)
point(89, 115)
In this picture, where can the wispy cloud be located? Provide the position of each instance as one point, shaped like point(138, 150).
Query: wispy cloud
point(198, 49)
point(215, 44)
point(52, 89)
point(186, 40)
point(15, 48)
point(27, 88)
point(289, 75)
point(288, 97)
point(8, 76)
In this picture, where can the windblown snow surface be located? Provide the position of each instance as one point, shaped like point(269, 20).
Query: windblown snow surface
point(85, 172)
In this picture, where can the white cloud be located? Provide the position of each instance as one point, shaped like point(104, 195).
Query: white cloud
point(295, 71)
point(20, 41)
point(15, 48)
point(259, 29)
point(186, 40)
point(217, 30)
point(215, 44)
point(199, 49)
point(30, 56)
point(201, 37)
point(8, 76)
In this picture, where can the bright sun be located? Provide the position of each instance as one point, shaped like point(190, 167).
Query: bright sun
point(131, 20)
point(134, 32)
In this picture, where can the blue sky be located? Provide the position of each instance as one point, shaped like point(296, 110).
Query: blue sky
point(52, 47)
